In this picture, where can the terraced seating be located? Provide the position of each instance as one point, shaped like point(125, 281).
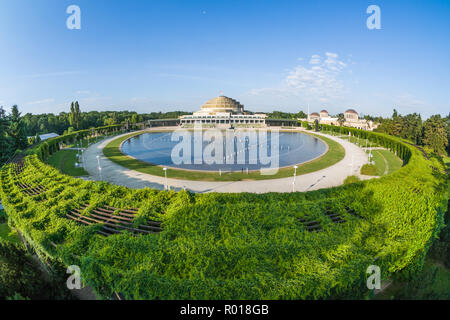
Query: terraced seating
point(18, 167)
point(314, 226)
point(114, 220)
point(30, 190)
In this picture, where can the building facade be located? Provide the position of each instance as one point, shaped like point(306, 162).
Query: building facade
point(351, 120)
point(223, 111)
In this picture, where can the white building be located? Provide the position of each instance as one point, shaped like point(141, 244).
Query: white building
point(223, 111)
point(351, 120)
point(47, 136)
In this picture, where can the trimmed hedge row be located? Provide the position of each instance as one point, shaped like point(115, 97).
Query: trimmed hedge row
point(45, 149)
point(236, 246)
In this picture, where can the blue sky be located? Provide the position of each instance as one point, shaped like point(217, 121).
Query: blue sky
point(174, 55)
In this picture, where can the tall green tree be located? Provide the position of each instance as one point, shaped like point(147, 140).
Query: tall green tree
point(5, 142)
point(16, 130)
point(435, 134)
point(77, 115)
point(447, 121)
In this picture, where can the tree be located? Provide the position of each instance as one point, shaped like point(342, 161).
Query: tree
point(5, 142)
point(341, 119)
point(302, 115)
point(77, 115)
point(72, 115)
point(447, 121)
point(16, 130)
point(435, 134)
point(20, 277)
point(37, 138)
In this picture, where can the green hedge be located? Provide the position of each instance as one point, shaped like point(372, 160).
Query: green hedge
point(48, 147)
point(237, 246)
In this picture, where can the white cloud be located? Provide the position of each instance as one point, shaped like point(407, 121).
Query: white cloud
point(315, 59)
point(319, 81)
point(83, 92)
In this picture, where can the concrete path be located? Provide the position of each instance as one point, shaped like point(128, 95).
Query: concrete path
point(333, 176)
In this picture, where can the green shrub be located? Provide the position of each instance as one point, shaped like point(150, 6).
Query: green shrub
point(369, 170)
point(351, 179)
point(20, 278)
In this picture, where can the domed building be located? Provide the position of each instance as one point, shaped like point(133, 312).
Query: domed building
point(222, 104)
point(351, 115)
point(223, 111)
point(324, 114)
point(314, 116)
point(351, 120)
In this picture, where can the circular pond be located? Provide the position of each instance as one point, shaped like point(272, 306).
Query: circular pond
point(225, 151)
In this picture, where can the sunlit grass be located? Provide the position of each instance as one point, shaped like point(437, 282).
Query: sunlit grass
point(64, 161)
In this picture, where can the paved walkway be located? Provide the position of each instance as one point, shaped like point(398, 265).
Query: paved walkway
point(326, 178)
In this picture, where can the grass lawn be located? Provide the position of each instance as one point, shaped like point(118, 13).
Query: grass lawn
point(64, 161)
point(386, 162)
point(335, 154)
point(6, 233)
point(394, 162)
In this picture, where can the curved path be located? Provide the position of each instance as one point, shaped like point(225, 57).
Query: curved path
point(329, 177)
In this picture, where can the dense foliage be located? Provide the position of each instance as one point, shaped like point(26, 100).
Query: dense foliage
point(286, 115)
point(45, 123)
point(20, 277)
point(235, 246)
point(433, 133)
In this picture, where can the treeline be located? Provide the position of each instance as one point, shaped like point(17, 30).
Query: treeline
point(433, 133)
point(46, 123)
point(15, 128)
point(12, 134)
point(286, 115)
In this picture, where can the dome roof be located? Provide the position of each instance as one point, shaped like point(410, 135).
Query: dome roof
point(315, 114)
point(223, 104)
point(351, 111)
point(324, 111)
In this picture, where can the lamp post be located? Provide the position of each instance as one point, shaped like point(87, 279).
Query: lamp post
point(295, 175)
point(353, 161)
point(99, 167)
point(166, 186)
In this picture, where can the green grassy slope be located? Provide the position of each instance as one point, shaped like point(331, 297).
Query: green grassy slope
point(64, 161)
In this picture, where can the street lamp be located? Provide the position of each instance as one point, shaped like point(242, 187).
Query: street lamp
point(295, 175)
point(353, 162)
point(165, 178)
point(99, 167)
